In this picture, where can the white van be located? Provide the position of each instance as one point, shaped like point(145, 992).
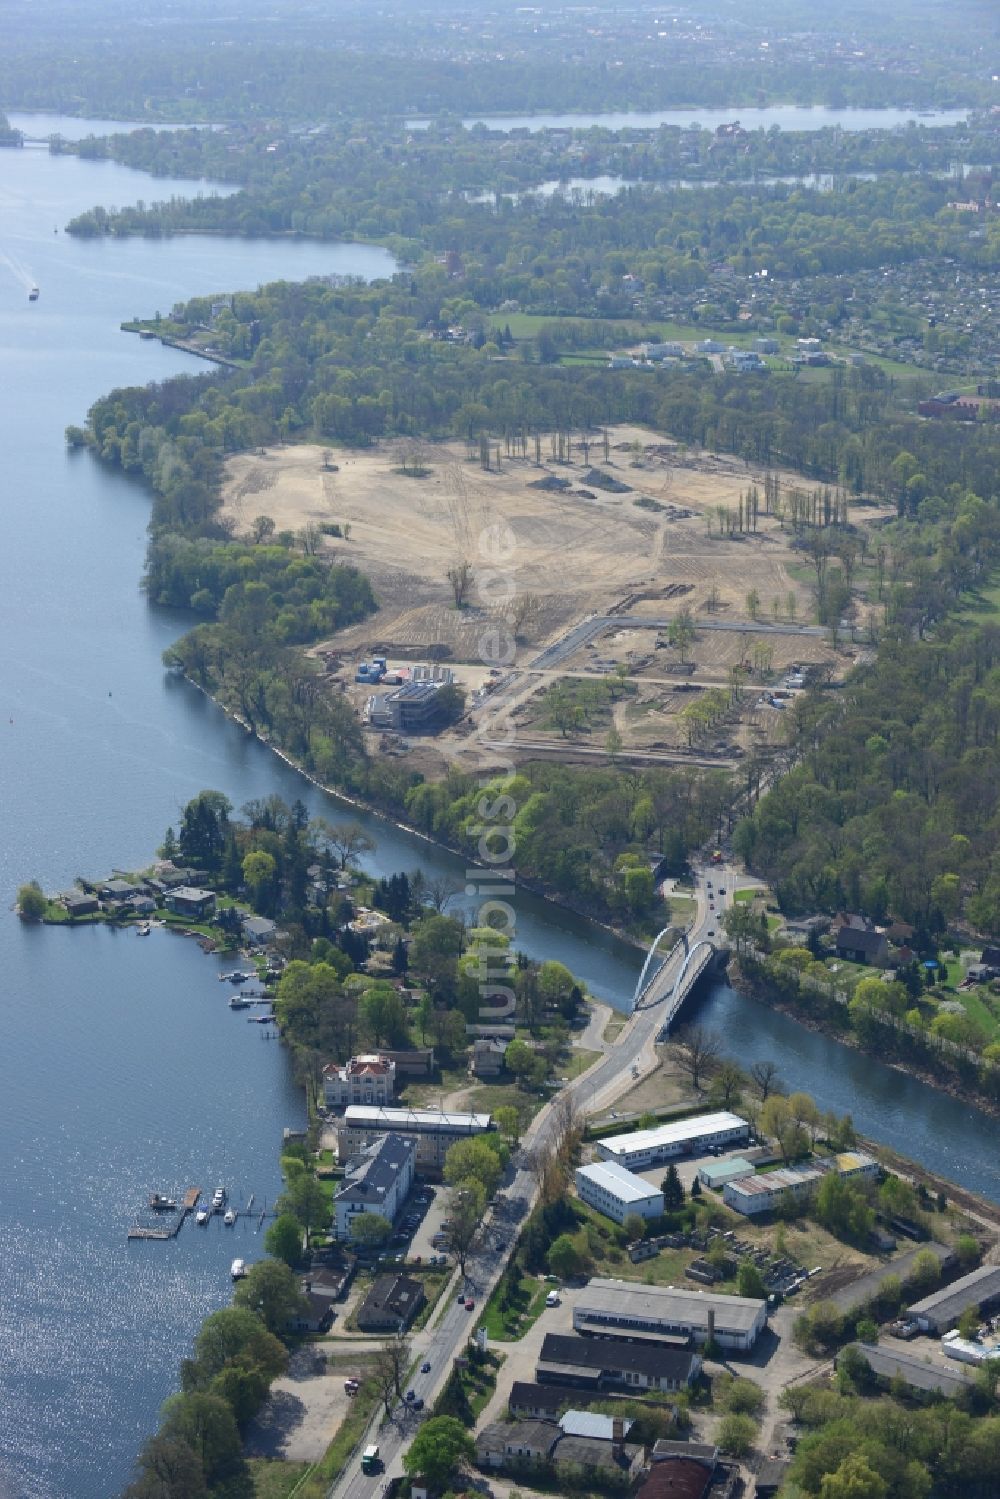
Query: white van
point(552, 1299)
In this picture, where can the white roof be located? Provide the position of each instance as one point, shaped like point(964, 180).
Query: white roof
point(674, 1133)
point(616, 1180)
point(590, 1424)
point(365, 1116)
point(673, 1304)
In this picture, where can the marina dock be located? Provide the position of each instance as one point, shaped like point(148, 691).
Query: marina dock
point(172, 1228)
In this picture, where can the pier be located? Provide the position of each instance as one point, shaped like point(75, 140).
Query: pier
point(171, 1229)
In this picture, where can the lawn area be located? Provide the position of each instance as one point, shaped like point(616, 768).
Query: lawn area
point(579, 1061)
point(746, 894)
point(511, 1323)
point(420, 1093)
point(977, 1010)
point(274, 1479)
point(434, 1282)
point(486, 1098)
point(682, 909)
point(614, 1027)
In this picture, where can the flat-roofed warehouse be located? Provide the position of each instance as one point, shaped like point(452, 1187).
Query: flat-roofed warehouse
point(647, 1147)
point(607, 1307)
point(941, 1311)
point(434, 1131)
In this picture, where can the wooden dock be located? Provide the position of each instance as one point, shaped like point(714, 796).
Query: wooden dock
point(173, 1228)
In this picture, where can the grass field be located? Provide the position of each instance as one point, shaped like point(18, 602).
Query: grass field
point(511, 1323)
point(274, 1479)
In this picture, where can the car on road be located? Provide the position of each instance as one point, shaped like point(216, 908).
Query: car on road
point(411, 1395)
point(425, 1367)
point(418, 1404)
point(711, 931)
point(552, 1299)
point(469, 1303)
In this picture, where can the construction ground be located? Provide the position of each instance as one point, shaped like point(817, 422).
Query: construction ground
point(586, 551)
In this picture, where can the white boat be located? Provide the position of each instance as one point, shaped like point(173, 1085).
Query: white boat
point(219, 1197)
point(230, 1217)
point(238, 1269)
point(201, 1216)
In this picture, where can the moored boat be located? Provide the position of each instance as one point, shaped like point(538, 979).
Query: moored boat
point(201, 1216)
point(161, 1204)
point(219, 1198)
point(33, 294)
point(238, 1269)
point(230, 1217)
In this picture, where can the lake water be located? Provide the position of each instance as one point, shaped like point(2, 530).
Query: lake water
point(121, 1070)
point(38, 125)
point(784, 116)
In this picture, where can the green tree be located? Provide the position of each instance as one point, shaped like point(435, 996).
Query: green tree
point(750, 1282)
point(438, 1451)
point(672, 1189)
point(270, 1289)
point(736, 1435)
point(474, 1160)
point(370, 1230)
point(968, 1323)
point(634, 1226)
point(384, 1015)
point(31, 901)
point(306, 1199)
point(233, 1334)
point(434, 952)
point(508, 1122)
point(283, 1239)
point(168, 1468)
point(206, 1424)
point(259, 871)
point(853, 1479)
point(566, 1258)
point(742, 1397)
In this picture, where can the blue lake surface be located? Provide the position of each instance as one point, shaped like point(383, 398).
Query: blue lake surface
point(121, 1069)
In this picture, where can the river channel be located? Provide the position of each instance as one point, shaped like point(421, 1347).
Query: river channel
point(121, 1070)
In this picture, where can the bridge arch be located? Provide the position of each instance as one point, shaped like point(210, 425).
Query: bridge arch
point(641, 981)
point(677, 994)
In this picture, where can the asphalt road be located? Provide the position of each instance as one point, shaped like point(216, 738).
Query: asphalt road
point(594, 1091)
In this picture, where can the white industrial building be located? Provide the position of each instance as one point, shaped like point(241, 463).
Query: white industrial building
point(762, 1193)
point(615, 1192)
point(367, 1079)
point(609, 1307)
point(377, 1182)
point(434, 1131)
point(647, 1147)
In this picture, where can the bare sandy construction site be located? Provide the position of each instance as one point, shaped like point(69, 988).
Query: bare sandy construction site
point(641, 532)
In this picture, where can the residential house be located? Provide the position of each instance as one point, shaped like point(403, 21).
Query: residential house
point(369, 1078)
point(189, 901)
point(258, 931)
point(317, 1314)
point(391, 1304)
point(487, 1058)
point(862, 945)
point(116, 891)
point(377, 1182)
point(79, 903)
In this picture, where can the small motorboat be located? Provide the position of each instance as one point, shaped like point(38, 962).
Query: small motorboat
point(230, 1217)
point(219, 1198)
point(237, 1002)
point(238, 1269)
point(33, 294)
point(144, 930)
point(201, 1217)
point(161, 1204)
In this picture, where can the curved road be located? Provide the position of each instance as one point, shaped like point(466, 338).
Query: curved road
point(591, 1093)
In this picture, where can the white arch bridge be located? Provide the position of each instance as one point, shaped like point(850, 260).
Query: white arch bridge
point(674, 979)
